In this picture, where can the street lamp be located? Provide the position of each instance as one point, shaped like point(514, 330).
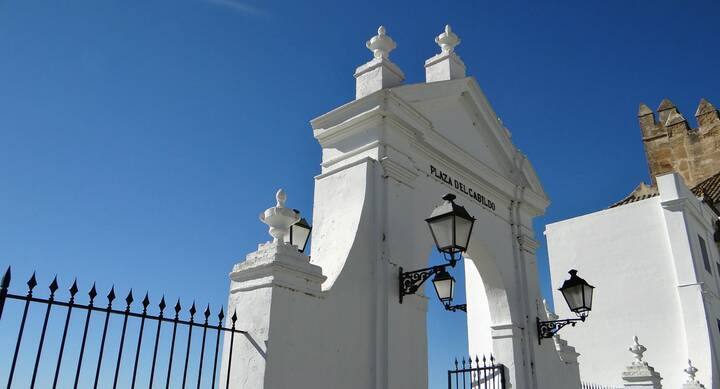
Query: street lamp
point(444, 284)
point(578, 295)
point(299, 233)
point(451, 227)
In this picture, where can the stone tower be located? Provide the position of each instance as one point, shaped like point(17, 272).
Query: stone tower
point(672, 145)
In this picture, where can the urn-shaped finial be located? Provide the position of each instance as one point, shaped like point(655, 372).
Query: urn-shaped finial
point(447, 40)
point(381, 44)
point(638, 350)
point(279, 218)
point(691, 371)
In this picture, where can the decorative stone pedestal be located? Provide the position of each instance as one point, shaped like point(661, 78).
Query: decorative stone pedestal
point(447, 65)
point(379, 73)
point(265, 290)
point(640, 375)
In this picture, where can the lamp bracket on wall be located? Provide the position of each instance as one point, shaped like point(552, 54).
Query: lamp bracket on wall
point(411, 281)
point(548, 329)
point(455, 308)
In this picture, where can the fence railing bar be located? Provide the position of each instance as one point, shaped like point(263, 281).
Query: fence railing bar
point(31, 284)
point(202, 346)
point(119, 312)
point(53, 288)
point(109, 346)
point(110, 297)
point(157, 340)
point(187, 349)
point(128, 300)
point(230, 353)
point(73, 290)
point(221, 316)
point(92, 294)
point(4, 284)
point(172, 344)
point(145, 303)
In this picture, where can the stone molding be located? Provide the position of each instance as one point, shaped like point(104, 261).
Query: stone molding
point(277, 264)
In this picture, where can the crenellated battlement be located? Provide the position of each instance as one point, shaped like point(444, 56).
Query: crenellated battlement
point(672, 144)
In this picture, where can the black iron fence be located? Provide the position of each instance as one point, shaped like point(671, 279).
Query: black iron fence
point(485, 373)
point(54, 348)
point(590, 385)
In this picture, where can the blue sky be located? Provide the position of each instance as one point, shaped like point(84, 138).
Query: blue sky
point(139, 140)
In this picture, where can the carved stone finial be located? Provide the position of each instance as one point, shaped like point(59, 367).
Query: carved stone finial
point(381, 44)
point(279, 218)
point(638, 350)
point(447, 40)
point(280, 197)
point(692, 382)
point(691, 370)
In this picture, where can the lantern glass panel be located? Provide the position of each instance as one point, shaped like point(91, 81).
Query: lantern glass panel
point(574, 297)
point(463, 228)
point(588, 295)
point(300, 236)
point(442, 231)
point(444, 285)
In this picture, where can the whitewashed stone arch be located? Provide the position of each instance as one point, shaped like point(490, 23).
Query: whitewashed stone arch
point(387, 159)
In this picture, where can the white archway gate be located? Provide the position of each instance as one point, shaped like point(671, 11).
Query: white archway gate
point(387, 159)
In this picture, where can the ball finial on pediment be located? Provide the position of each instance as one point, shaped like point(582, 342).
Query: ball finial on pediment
point(447, 40)
point(381, 44)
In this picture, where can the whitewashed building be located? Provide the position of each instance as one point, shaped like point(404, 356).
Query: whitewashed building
point(653, 258)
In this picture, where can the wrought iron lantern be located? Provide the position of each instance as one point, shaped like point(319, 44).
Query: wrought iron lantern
point(299, 234)
point(578, 295)
point(444, 285)
point(451, 226)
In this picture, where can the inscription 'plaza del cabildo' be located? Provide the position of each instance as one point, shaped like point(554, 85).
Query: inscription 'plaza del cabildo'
point(454, 183)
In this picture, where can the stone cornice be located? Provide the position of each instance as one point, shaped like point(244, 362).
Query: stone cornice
point(277, 264)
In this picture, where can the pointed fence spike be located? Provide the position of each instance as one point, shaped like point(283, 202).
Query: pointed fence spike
point(234, 317)
point(92, 293)
point(177, 306)
point(207, 312)
point(221, 315)
point(5, 282)
point(129, 299)
point(73, 289)
point(53, 286)
point(32, 282)
point(192, 310)
point(162, 304)
point(111, 295)
point(146, 301)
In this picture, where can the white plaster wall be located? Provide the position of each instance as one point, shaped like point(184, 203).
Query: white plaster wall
point(626, 253)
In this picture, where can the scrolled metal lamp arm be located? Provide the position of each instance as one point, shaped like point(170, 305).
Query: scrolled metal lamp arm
point(411, 281)
point(548, 329)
